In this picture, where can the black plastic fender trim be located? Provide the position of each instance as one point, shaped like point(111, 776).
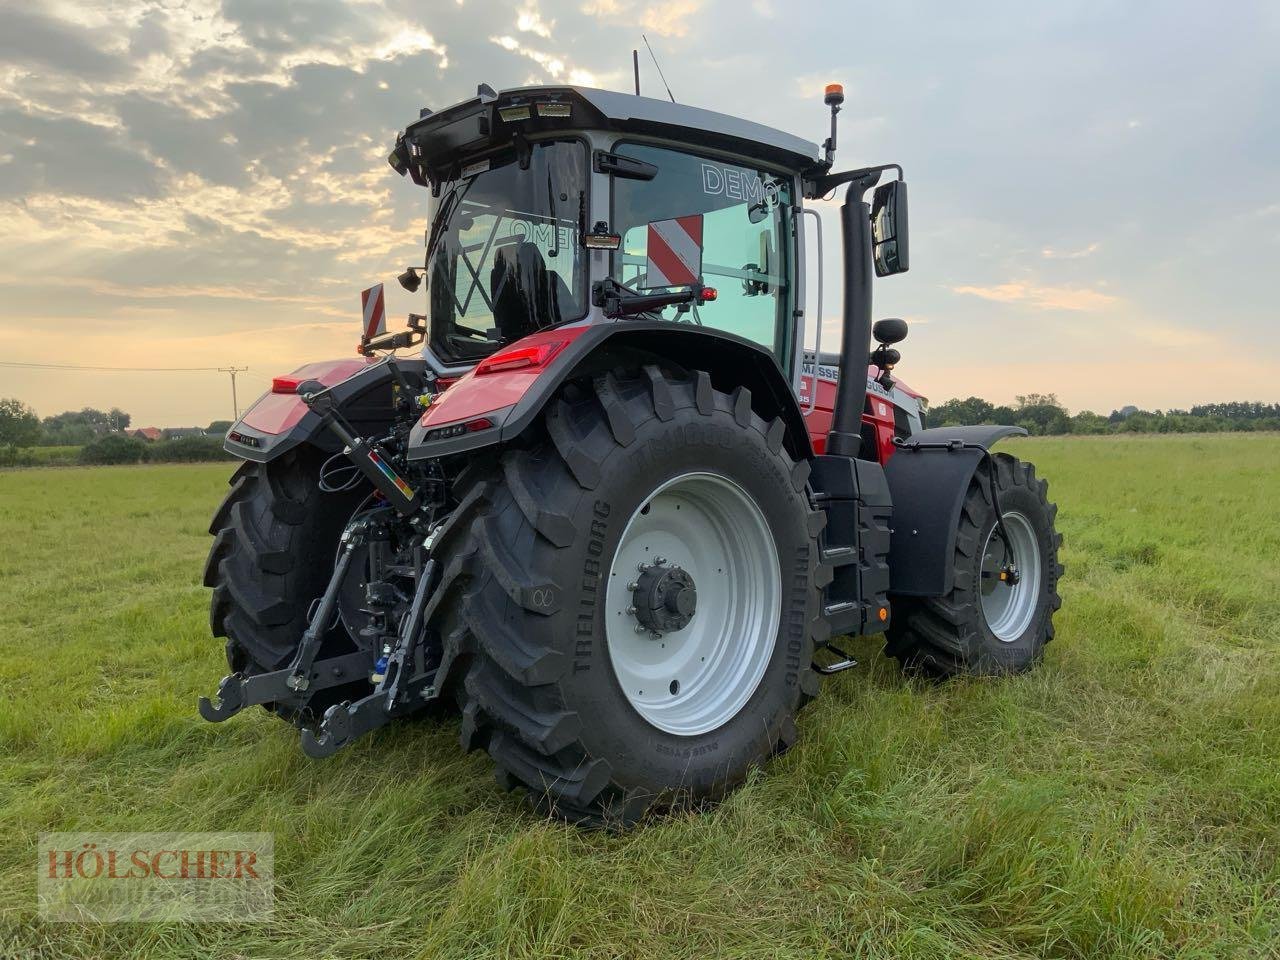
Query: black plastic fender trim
point(928, 475)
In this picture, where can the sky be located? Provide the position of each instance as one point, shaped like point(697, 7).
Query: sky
point(1095, 186)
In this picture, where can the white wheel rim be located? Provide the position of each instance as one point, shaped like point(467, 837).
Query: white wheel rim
point(1008, 609)
point(696, 679)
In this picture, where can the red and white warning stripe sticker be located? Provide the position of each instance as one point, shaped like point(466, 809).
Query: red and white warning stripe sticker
point(674, 256)
point(375, 313)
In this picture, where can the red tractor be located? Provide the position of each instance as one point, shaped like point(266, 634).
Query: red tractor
point(613, 510)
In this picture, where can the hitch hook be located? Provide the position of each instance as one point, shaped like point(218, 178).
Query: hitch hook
point(230, 700)
point(335, 731)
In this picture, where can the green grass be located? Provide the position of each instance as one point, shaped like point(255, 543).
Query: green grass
point(1121, 801)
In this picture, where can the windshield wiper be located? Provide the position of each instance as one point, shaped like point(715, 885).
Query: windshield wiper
point(555, 220)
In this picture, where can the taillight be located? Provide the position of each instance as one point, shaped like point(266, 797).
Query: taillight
point(458, 429)
point(519, 358)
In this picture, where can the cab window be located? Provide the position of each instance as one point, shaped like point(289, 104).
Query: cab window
point(506, 259)
point(726, 224)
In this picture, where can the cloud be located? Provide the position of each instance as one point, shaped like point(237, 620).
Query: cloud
point(1049, 253)
point(1041, 297)
point(1168, 335)
point(666, 18)
point(70, 156)
point(37, 41)
point(554, 66)
point(529, 20)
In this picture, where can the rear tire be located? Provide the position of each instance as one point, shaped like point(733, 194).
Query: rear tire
point(275, 536)
point(1005, 633)
point(526, 612)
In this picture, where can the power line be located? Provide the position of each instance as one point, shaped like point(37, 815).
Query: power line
point(235, 402)
point(75, 366)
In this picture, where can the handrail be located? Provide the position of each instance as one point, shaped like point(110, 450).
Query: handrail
point(817, 344)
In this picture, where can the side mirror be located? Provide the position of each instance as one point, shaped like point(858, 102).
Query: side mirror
point(889, 330)
point(889, 228)
point(412, 278)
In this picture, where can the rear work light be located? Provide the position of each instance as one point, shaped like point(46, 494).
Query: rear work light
point(512, 114)
point(554, 110)
point(520, 358)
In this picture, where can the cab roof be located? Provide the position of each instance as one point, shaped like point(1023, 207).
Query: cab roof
point(440, 141)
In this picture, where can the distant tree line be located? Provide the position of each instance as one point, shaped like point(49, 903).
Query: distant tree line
point(78, 427)
point(21, 427)
point(98, 436)
point(1042, 414)
point(117, 448)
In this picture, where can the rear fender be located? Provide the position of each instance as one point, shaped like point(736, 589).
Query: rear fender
point(279, 422)
point(483, 409)
point(928, 484)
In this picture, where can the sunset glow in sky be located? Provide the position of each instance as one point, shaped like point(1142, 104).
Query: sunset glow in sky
point(1095, 187)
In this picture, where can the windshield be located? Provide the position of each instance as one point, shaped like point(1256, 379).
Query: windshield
point(504, 255)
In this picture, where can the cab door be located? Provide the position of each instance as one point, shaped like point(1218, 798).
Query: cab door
point(722, 223)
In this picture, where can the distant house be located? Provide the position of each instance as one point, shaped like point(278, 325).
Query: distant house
point(150, 434)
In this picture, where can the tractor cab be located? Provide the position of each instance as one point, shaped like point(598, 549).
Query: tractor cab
point(543, 197)
point(556, 207)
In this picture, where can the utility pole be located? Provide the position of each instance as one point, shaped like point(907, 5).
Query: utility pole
point(235, 404)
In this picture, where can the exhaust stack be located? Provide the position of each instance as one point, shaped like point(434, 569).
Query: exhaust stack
point(845, 438)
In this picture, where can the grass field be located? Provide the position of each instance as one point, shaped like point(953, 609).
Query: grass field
point(1122, 801)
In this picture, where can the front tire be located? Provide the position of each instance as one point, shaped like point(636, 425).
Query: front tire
point(987, 625)
point(535, 619)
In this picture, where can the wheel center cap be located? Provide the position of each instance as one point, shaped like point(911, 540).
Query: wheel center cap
point(665, 598)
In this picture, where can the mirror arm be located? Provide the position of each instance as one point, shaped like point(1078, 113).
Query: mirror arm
point(861, 180)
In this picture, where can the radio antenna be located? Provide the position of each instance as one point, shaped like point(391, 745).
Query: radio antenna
point(659, 66)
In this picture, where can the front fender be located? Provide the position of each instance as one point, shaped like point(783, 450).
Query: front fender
point(928, 476)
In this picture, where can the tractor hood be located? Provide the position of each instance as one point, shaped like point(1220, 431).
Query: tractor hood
point(437, 145)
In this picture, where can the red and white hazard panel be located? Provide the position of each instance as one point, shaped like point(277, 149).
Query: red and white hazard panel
point(375, 312)
point(675, 252)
